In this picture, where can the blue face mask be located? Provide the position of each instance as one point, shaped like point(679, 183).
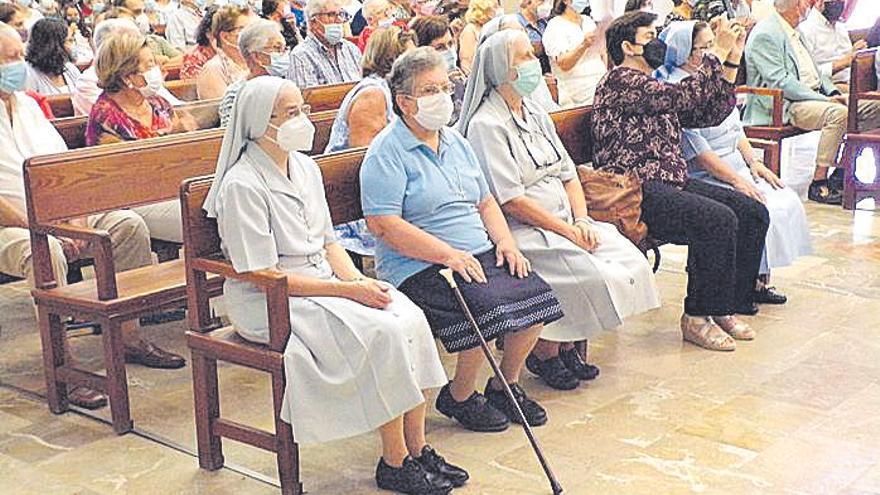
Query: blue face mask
point(450, 56)
point(333, 33)
point(528, 77)
point(279, 64)
point(579, 5)
point(13, 76)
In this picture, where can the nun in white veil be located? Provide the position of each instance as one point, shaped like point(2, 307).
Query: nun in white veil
point(359, 353)
point(597, 274)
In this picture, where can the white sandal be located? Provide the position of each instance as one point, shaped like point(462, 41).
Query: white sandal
point(734, 327)
point(703, 332)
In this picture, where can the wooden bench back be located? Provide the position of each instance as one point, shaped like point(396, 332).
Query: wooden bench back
point(61, 105)
point(329, 97)
point(573, 127)
point(183, 89)
point(863, 78)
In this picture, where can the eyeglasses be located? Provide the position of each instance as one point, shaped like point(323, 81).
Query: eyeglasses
point(433, 89)
point(444, 46)
point(338, 16)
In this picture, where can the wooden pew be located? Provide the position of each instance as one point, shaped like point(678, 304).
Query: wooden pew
point(210, 343)
point(61, 105)
point(862, 87)
point(327, 97)
point(78, 183)
point(183, 90)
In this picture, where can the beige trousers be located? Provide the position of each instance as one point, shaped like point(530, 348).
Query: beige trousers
point(128, 234)
point(830, 118)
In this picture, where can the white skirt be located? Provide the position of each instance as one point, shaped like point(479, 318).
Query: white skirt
point(597, 290)
point(350, 368)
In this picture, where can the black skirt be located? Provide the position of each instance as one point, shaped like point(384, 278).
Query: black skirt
point(505, 304)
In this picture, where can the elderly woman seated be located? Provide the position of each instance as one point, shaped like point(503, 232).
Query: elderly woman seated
point(636, 124)
point(51, 69)
point(365, 111)
point(426, 200)
point(228, 64)
point(599, 276)
point(723, 156)
point(262, 46)
point(359, 353)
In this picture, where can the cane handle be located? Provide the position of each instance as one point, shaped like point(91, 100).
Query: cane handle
point(447, 274)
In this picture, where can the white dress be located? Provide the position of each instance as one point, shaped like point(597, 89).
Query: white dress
point(350, 368)
point(576, 86)
point(526, 158)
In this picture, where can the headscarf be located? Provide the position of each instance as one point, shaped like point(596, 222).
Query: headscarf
point(491, 69)
point(679, 45)
point(248, 121)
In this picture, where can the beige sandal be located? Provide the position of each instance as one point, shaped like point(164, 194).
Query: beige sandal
point(734, 327)
point(701, 331)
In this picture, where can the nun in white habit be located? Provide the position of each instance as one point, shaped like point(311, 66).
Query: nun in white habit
point(598, 275)
point(359, 353)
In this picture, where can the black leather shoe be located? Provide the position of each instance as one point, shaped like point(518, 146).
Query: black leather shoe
point(151, 356)
point(821, 191)
point(553, 372)
point(572, 360)
point(769, 295)
point(435, 463)
point(410, 478)
point(835, 180)
point(534, 413)
point(750, 309)
point(475, 413)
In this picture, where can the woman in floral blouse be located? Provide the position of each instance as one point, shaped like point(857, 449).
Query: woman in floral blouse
point(637, 124)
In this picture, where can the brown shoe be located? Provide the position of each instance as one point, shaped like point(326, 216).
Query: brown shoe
point(151, 356)
point(735, 328)
point(701, 331)
point(86, 398)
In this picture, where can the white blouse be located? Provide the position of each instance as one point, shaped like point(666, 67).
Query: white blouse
point(577, 86)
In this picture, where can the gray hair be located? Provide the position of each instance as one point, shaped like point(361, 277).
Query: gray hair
point(315, 6)
point(408, 67)
point(373, 7)
point(257, 35)
point(785, 5)
point(112, 27)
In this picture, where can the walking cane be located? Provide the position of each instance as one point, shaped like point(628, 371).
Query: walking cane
point(554, 485)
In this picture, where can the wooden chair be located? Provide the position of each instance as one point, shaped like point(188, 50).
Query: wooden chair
point(862, 87)
point(328, 97)
point(209, 343)
point(79, 183)
point(769, 138)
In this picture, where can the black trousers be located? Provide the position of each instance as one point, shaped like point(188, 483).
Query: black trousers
point(725, 233)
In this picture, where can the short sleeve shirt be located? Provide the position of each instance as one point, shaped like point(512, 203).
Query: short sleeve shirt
point(439, 193)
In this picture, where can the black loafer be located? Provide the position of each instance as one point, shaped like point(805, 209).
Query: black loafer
point(572, 360)
point(835, 180)
point(769, 295)
point(151, 356)
point(475, 413)
point(410, 478)
point(821, 191)
point(553, 372)
point(534, 413)
point(435, 463)
point(750, 309)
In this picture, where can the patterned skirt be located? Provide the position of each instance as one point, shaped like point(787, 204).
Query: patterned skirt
point(504, 304)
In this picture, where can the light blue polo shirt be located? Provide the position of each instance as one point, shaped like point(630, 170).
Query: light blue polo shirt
point(438, 193)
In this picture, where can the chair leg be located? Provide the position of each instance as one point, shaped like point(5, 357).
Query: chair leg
point(117, 382)
point(207, 404)
point(287, 451)
point(54, 356)
point(774, 158)
point(848, 162)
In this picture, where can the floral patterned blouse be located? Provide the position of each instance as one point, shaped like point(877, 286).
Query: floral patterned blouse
point(637, 120)
point(107, 117)
point(194, 60)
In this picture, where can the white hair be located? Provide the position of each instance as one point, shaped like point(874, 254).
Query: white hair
point(315, 6)
point(373, 7)
point(113, 27)
point(257, 35)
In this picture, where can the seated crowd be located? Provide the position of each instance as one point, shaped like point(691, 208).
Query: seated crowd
point(464, 169)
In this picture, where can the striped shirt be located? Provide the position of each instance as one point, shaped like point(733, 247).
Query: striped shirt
point(313, 64)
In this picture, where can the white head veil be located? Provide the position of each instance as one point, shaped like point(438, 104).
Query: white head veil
point(491, 69)
point(248, 121)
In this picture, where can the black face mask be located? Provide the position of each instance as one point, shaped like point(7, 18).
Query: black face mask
point(654, 52)
point(833, 10)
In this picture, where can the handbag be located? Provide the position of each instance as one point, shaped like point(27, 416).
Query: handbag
point(615, 198)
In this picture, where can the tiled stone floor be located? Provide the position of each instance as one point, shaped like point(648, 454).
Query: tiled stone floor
point(794, 412)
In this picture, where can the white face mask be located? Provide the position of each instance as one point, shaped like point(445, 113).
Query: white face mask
point(155, 82)
point(544, 10)
point(435, 111)
point(297, 134)
point(333, 33)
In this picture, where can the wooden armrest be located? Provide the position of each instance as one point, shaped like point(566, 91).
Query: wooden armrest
point(272, 282)
point(100, 247)
point(776, 94)
point(869, 95)
point(864, 138)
